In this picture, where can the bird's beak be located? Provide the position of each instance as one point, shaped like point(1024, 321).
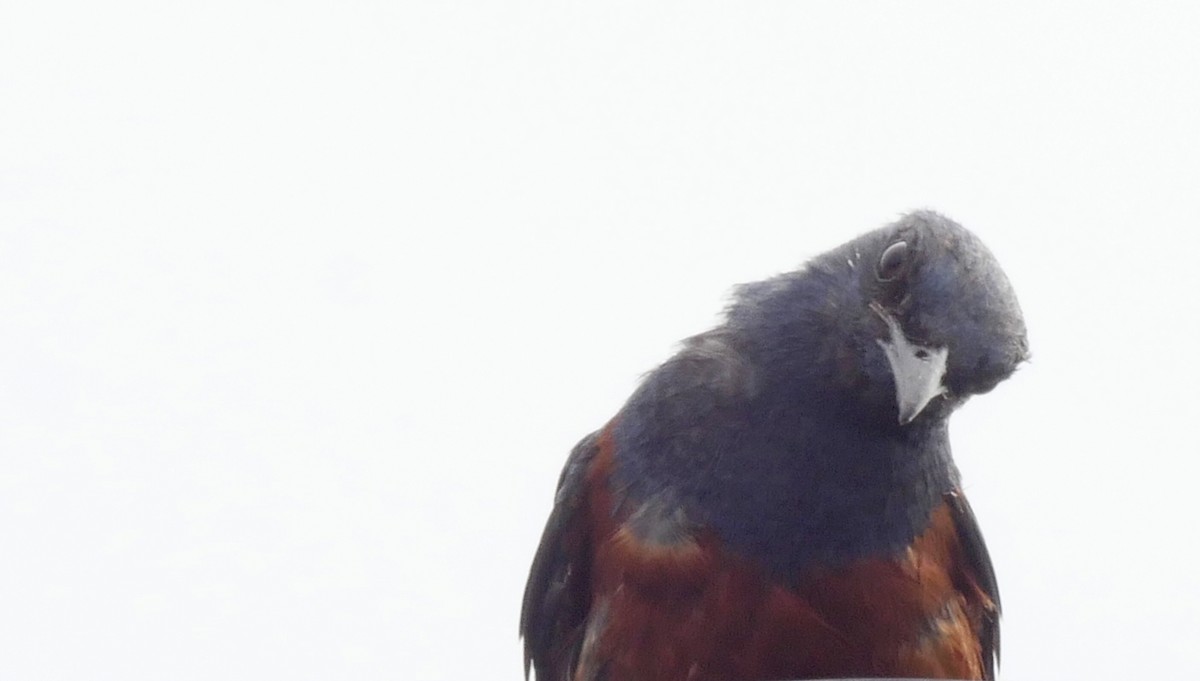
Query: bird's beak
point(916, 369)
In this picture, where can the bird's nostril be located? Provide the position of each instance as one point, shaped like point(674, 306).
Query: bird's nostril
point(921, 354)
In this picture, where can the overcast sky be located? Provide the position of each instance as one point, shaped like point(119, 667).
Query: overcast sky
point(303, 304)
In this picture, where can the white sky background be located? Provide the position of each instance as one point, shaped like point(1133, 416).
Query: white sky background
point(302, 306)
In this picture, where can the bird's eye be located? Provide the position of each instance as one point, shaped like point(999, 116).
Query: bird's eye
point(891, 263)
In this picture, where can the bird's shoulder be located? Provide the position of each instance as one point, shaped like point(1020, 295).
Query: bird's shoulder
point(710, 371)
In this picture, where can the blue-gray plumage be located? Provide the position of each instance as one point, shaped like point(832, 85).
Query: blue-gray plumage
point(798, 385)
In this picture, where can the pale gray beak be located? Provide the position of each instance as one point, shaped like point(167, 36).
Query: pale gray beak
point(917, 370)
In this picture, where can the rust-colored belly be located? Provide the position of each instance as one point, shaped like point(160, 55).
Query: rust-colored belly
point(691, 611)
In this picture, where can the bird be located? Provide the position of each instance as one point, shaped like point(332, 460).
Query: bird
point(778, 499)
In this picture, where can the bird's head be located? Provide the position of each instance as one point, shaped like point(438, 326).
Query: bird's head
point(936, 316)
point(908, 320)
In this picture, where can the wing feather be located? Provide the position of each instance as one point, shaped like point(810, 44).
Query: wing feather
point(981, 589)
point(557, 598)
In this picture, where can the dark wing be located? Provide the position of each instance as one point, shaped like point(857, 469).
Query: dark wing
point(980, 580)
point(557, 595)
